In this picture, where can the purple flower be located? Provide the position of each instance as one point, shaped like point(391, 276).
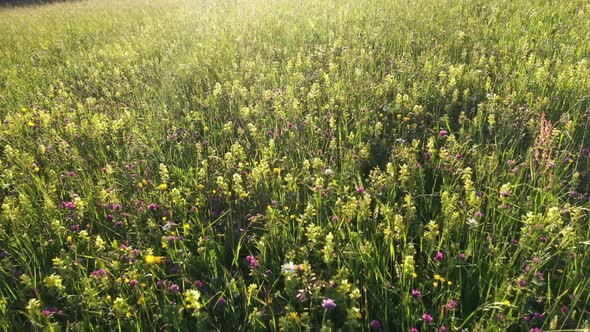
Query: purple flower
point(174, 288)
point(522, 283)
point(535, 329)
point(46, 313)
point(199, 283)
point(360, 189)
point(328, 304)
point(452, 305)
point(375, 324)
point(427, 318)
point(68, 205)
point(564, 309)
point(527, 317)
point(222, 301)
point(416, 293)
point(99, 273)
point(462, 256)
point(438, 257)
point(478, 214)
point(443, 133)
point(414, 329)
point(442, 329)
point(538, 315)
point(252, 262)
point(153, 206)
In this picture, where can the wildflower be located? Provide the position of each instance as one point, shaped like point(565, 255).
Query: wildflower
point(46, 313)
point(151, 259)
point(427, 318)
point(301, 296)
point(68, 205)
point(438, 257)
point(538, 316)
point(535, 329)
point(414, 329)
point(527, 317)
point(191, 297)
point(120, 305)
point(252, 262)
point(416, 293)
point(199, 283)
point(443, 133)
point(133, 282)
point(564, 309)
point(174, 288)
point(99, 273)
point(54, 281)
point(163, 187)
point(442, 329)
point(328, 304)
point(288, 267)
point(375, 324)
point(222, 301)
point(522, 283)
point(452, 304)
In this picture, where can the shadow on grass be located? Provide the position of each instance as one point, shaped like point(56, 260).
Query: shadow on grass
point(19, 3)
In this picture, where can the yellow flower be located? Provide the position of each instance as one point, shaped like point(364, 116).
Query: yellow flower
point(506, 302)
point(151, 259)
point(163, 187)
point(450, 283)
point(435, 284)
point(30, 124)
point(295, 317)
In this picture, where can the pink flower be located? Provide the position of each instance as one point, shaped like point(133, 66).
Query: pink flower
point(438, 257)
point(416, 293)
point(375, 324)
point(328, 304)
point(252, 262)
point(427, 318)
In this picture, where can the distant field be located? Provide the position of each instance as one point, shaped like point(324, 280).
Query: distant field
point(295, 165)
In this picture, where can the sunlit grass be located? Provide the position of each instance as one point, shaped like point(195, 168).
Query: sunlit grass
point(295, 165)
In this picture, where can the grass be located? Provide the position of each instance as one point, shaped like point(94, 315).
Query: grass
point(281, 165)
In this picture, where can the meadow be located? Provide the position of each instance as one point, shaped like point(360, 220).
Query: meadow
point(295, 165)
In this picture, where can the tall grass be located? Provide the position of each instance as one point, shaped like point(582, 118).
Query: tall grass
point(295, 165)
